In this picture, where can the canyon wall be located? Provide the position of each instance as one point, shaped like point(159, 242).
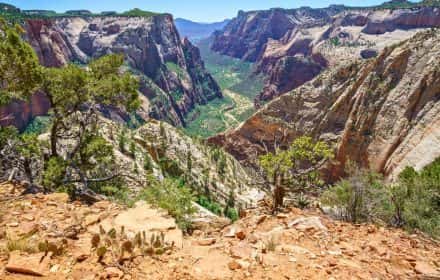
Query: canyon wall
point(173, 76)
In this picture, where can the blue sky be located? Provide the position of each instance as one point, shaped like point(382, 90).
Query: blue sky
point(197, 10)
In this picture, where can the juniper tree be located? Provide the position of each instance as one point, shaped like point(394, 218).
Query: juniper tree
point(294, 168)
point(76, 94)
point(20, 72)
point(20, 76)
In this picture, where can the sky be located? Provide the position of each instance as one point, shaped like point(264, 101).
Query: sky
point(195, 10)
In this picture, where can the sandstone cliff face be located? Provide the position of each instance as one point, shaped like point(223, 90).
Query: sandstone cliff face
point(173, 75)
point(383, 113)
point(246, 35)
point(293, 46)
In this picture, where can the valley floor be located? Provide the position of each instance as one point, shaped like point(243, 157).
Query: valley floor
point(239, 87)
point(292, 245)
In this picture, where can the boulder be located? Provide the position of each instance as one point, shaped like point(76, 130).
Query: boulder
point(141, 218)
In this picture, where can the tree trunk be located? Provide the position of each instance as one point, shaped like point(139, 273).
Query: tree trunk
point(278, 195)
point(53, 139)
point(28, 170)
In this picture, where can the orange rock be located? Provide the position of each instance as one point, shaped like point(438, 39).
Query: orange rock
point(234, 265)
point(27, 264)
point(113, 272)
point(241, 251)
point(240, 235)
point(206, 241)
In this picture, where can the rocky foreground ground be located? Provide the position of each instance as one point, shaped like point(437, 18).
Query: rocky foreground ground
point(292, 245)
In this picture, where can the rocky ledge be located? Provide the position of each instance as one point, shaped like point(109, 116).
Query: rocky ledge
point(292, 245)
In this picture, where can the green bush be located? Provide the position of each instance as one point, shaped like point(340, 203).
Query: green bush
point(412, 202)
point(38, 125)
point(416, 199)
point(176, 199)
point(302, 201)
point(232, 214)
point(54, 173)
point(7, 133)
point(362, 197)
point(210, 205)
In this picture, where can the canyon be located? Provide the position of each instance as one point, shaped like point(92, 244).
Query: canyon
point(172, 74)
point(179, 190)
point(382, 113)
point(292, 46)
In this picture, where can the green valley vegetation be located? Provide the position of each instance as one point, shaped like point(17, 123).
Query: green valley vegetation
point(411, 202)
point(239, 86)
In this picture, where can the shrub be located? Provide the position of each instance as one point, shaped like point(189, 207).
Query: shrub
point(361, 197)
point(413, 202)
point(294, 169)
point(122, 140)
point(6, 133)
point(54, 172)
point(416, 199)
point(210, 205)
point(232, 214)
point(168, 195)
point(148, 165)
point(132, 149)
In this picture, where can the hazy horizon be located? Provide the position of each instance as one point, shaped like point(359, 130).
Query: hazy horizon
point(194, 10)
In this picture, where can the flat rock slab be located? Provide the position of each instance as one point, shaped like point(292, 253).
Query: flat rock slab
point(144, 218)
point(306, 223)
point(426, 270)
point(35, 264)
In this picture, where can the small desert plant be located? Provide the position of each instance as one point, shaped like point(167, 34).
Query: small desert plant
point(270, 245)
point(120, 248)
point(302, 201)
point(416, 199)
point(56, 248)
point(23, 244)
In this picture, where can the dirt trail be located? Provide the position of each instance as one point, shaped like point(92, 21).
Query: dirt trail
point(241, 105)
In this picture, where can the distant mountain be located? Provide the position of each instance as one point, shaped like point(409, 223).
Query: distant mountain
point(195, 31)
